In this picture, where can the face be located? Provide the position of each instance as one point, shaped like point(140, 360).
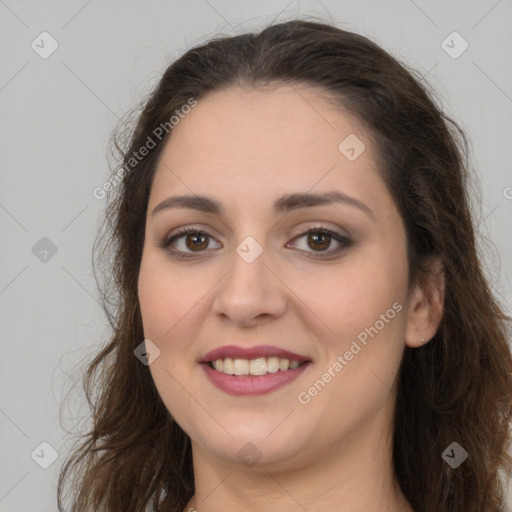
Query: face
point(264, 279)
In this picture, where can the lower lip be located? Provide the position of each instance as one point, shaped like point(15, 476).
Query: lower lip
point(252, 385)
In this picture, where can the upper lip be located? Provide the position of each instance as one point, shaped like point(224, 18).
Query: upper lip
point(235, 352)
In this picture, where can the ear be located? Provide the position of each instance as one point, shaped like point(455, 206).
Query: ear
point(425, 308)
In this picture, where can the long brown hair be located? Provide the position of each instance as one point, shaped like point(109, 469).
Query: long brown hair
point(456, 388)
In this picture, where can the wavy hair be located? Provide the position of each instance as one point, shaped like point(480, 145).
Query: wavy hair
point(457, 387)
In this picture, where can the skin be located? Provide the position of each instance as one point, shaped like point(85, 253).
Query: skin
point(246, 148)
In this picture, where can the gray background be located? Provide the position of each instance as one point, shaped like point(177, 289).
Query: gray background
point(56, 117)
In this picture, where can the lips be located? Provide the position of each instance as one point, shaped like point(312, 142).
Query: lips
point(247, 385)
point(253, 370)
point(236, 352)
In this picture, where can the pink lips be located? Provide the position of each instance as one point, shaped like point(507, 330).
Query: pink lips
point(250, 384)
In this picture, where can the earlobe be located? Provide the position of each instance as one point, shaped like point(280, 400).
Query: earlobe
point(426, 308)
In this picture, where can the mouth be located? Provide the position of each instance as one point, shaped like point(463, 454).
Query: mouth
point(254, 367)
point(255, 361)
point(253, 371)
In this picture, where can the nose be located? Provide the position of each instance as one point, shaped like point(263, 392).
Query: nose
point(251, 292)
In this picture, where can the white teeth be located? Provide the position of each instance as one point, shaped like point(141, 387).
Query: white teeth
point(258, 366)
point(272, 364)
point(227, 366)
point(241, 366)
point(284, 364)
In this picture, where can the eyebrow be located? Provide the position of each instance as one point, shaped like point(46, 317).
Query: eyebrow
point(285, 203)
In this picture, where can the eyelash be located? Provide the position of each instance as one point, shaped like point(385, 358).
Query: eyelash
point(345, 241)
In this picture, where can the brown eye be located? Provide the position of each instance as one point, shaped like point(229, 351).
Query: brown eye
point(319, 240)
point(196, 241)
point(187, 241)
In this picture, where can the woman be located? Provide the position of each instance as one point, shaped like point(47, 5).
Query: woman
point(301, 321)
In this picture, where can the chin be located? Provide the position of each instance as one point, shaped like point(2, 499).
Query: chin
point(257, 444)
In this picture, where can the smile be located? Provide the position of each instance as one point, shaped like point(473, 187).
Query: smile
point(256, 367)
point(245, 383)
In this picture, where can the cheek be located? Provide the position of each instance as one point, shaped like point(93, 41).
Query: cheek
point(164, 303)
point(165, 297)
point(351, 297)
point(364, 304)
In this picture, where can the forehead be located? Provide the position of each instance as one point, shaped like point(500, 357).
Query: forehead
point(272, 140)
point(251, 123)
